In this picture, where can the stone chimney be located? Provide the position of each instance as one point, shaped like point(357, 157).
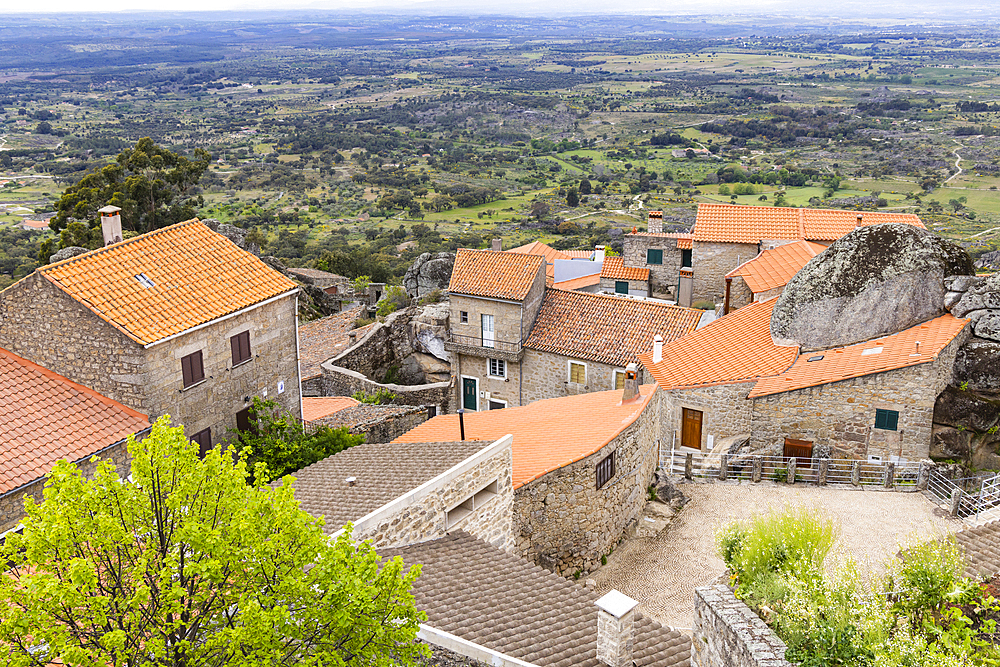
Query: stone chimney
point(599, 253)
point(657, 348)
point(654, 224)
point(497, 245)
point(631, 391)
point(111, 224)
point(615, 629)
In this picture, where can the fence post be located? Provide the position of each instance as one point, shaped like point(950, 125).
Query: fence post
point(723, 467)
point(856, 474)
point(956, 501)
point(791, 470)
point(922, 474)
point(688, 466)
point(824, 470)
point(757, 466)
point(890, 474)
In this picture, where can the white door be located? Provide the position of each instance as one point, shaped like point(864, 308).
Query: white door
point(488, 337)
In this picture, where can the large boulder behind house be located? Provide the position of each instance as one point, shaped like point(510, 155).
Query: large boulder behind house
point(876, 280)
point(429, 272)
point(66, 253)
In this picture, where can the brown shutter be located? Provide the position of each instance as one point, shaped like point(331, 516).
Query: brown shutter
point(197, 368)
point(186, 370)
point(234, 344)
point(245, 345)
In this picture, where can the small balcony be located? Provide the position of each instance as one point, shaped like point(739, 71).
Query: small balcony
point(479, 347)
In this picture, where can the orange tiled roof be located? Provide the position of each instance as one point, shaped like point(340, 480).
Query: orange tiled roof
point(550, 254)
point(548, 434)
point(734, 348)
point(727, 223)
point(614, 269)
point(604, 328)
point(890, 353)
point(45, 418)
point(776, 266)
point(498, 275)
point(35, 224)
point(192, 275)
point(578, 283)
point(578, 254)
point(685, 244)
point(317, 407)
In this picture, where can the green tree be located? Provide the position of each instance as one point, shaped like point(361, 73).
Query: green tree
point(572, 197)
point(188, 565)
point(152, 185)
point(585, 187)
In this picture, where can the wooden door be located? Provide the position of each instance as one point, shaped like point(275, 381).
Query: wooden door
point(691, 428)
point(801, 450)
point(470, 393)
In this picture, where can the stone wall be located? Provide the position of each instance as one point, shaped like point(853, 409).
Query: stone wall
point(390, 427)
point(739, 293)
point(507, 390)
point(12, 503)
point(339, 381)
point(635, 287)
point(727, 633)
point(711, 262)
point(546, 375)
point(507, 319)
point(565, 524)
point(725, 412)
point(839, 417)
point(662, 277)
point(422, 514)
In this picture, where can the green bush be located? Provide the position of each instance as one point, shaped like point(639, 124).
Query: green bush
point(394, 298)
point(704, 305)
point(380, 396)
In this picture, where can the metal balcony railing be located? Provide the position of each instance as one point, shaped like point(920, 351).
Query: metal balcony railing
point(487, 344)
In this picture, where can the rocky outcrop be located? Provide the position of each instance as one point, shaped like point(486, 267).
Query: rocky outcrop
point(66, 253)
point(874, 281)
point(237, 235)
point(978, 299)
point(428, 273)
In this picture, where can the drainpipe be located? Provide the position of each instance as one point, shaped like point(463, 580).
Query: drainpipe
point(461, 422)
point(725, 305)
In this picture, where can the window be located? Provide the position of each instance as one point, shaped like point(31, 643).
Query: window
point(886, 419)
point(497, 405)
point(619, 379)
point(654, 256)
point(488, 333)
point(192, 369)
point(621, 287)
point(498, 368)
point(204, 440)
point(471, 504)
point(686, 258)
point(577, 372)
point(240, 343)
point(605, 470)
point(463, 315)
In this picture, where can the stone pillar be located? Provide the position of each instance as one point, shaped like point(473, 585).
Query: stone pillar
point(890, 474)
point(923, 473)
point(824, 470)
point(615, 629)
point(758, 464)
point(956, 501)
point(723, 467)
point(791, 470)
point(688, 465)
point(856, 473)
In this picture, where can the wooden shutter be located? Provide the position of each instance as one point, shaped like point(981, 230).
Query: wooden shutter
point(192, 370)
point(621, 287)
point(577, 373)
point(204, 440)
point(654, 256)
point(605, 470)
point(886, 419)
point(240, 345)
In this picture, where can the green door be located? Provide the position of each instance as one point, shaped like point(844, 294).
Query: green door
point(621, 287)
point(469, 391)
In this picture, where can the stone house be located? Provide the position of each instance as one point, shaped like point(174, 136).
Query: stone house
point(766, 275)
point(178, 321)
point(551, 256)
point(730, 380)
point(664, 255)
point(398, 494)
point(616, 278)
point(514, 342)
point(581, 468)
point(44, 418)
point(725, 236)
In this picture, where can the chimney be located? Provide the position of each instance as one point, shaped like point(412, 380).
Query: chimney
point(654, 224)
point(599, 253)
point(657, 348)
point(859, 223)
point(615, 629)
point(497, 245)
point(111, 224)
point(631, 390)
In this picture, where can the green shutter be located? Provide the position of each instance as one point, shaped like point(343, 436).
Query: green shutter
point(654, 256)
point(621, 287)
point(887, 420)
point(686, 258)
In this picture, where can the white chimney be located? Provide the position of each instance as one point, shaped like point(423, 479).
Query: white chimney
point(616, 629)
point(111, 224)
point(599, 253)
point(654, 224)
point(859, 223)
point(657, 348)
point(631, 389)
point(497, 245)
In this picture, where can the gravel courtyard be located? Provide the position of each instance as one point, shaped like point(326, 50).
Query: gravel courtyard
point(662, 571)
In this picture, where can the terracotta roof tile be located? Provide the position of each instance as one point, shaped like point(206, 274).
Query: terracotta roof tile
point(325, 338)
point(609, 329)
point(498, 275)
point(316, 407)
point(547, 433)
point(578, 254)
point(44, 417)
point(750, 224)
point(579, 283)
point(542, 250)
point(489, 597)
point(776, 266)
point(614, 269)
point(382, 472)
point(734, 348)
point(873, 356)
point(194, 274)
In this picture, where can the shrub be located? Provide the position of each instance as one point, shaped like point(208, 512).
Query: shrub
point(381, 396)
point(394, 298)
point(704, 305)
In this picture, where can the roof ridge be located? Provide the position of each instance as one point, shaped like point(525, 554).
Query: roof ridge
point(802, 223)
point(612, 297)
point(119, 244)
